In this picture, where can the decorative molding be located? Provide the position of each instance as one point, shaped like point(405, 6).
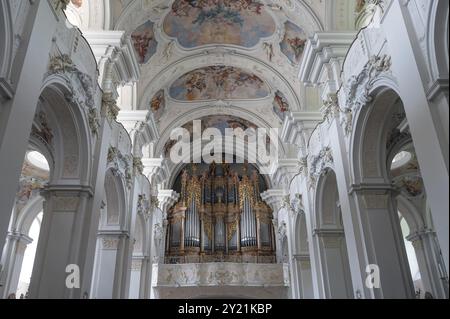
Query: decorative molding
point(110, 243)
point(109, 106)
point(136, 264)
point(122, 164)
point(221, 274)
point(358, 86)
point(318, 164)
point(143, 206)
point(138, 167)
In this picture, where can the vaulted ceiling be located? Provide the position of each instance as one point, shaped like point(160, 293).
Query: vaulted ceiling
point(235, 59)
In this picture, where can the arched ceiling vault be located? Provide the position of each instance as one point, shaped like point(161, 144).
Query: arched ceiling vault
point(260, 38)
point(215, 57)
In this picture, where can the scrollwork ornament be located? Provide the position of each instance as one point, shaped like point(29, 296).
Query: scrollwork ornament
point(109, 106)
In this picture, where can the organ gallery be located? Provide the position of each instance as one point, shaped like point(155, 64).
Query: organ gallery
point(220, 216)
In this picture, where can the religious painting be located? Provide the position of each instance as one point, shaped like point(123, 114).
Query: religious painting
point(280, 105)
point(294, 42)
point(144, 42)
point(218, 83)
point(158, 105)
point(201, 22)
point(220, 122)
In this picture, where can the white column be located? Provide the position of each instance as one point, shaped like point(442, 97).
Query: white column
point(109, 270)
point(16, 115)
point(302, 264)
point(423, 117)
point(135, 278)
point(350, 217)
point(62, 241)
point(334, 264)
point(433, 276)
point(382, 237)
point(13, 254)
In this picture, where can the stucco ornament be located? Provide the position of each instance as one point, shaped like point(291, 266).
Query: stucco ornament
point(109, 106)
point(122, 164)
point(318, 164)
point(143, 206)
point(358, 86)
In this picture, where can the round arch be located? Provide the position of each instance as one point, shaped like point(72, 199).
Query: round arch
point(368, 150)
point(203, 111)
point(72, 136)
point(115, 200)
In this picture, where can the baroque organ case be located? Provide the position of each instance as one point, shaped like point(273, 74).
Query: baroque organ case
point(220, 216)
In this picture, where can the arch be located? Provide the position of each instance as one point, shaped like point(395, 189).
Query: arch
point(202, 111)
point(327, 202)
point(301, 234)
point(368, 141)
point(28, 214)
point(330, 237)
point(410, 213)
point(139, 236)
point(72, 136)
point(6, 49)
point(273, 77)
point(115, 200)
point(176, 170)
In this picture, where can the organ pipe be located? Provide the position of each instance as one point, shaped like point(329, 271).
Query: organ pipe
point(221, 214)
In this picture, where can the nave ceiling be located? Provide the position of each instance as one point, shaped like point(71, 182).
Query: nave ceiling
point(234, 58)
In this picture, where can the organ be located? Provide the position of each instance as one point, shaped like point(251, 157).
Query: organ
point(220, 217)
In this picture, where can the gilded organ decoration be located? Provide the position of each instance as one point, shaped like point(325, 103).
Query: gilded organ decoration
point(220, 216)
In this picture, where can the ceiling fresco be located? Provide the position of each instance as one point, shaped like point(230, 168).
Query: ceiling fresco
point(201, 22)
point(220, 122)
point(218, 83)
point(158, 105)
point(144, 42)
point(293, 43)
point(280, 105)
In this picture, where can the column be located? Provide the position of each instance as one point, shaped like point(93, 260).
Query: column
point(109, 272)
point(432, 269)
point(302, 264)
point(334, 264)
point(17, 113)
point(382, 236)
point(13, 254)
point(423, 116)
point(136, 274)
point(63, 241)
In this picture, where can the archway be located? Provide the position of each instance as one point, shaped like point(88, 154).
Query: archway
point(383, 168)
point(302, 258)
point(62, 126)
point(23, 232)
point(108, 275)
point(330, 234)
point(423, 252)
